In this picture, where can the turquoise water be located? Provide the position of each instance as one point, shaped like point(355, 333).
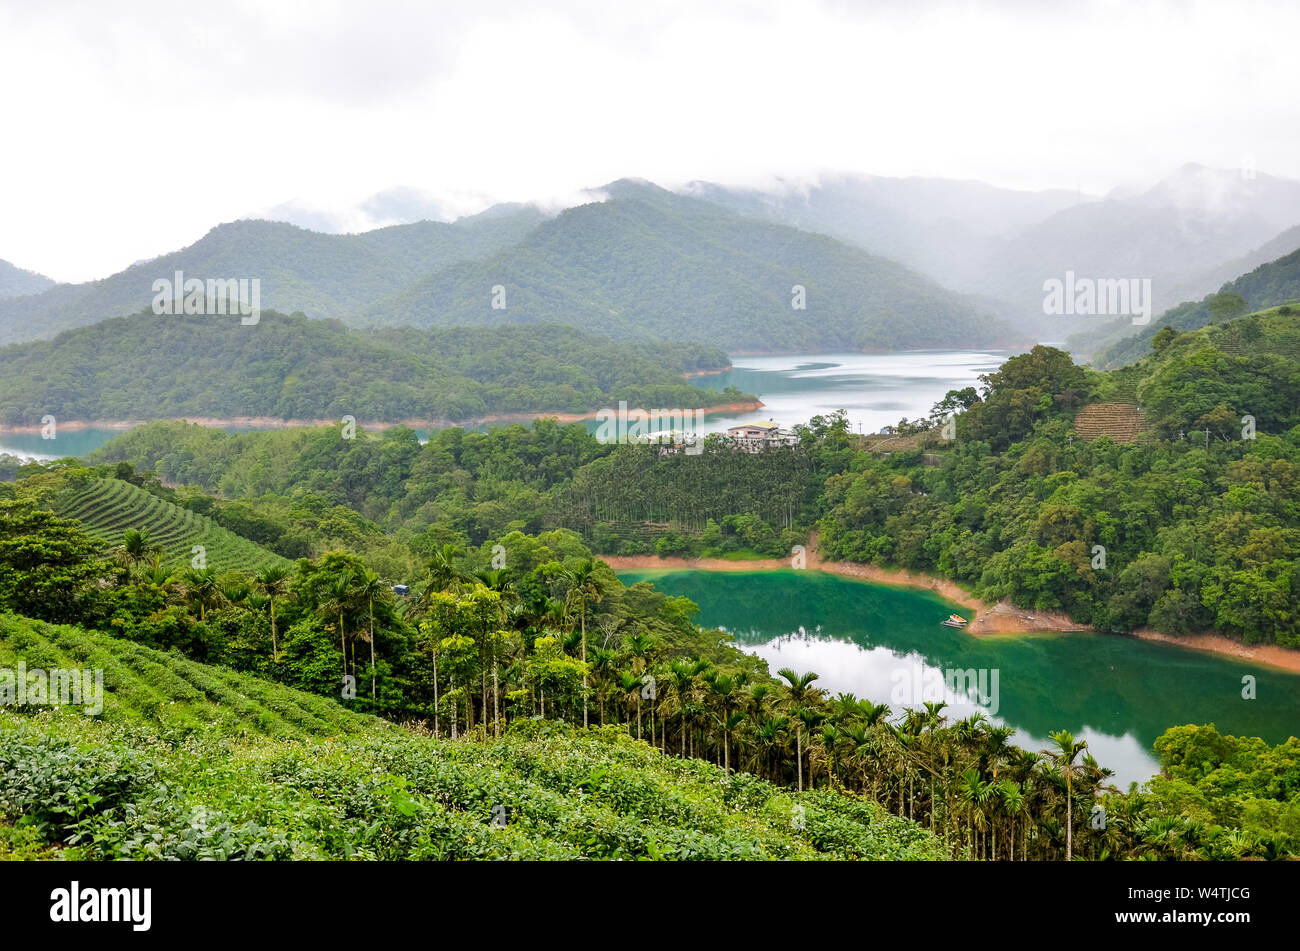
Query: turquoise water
point(874, 389)
point(881, 642)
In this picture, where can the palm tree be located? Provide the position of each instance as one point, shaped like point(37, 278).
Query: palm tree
point(273, 582)
point(443, 573)
point(1066, 750)
point(369, 587)
point(338, 601)
point(201, 588)
point(799, 692)
point(583, 586)
point(136, 548)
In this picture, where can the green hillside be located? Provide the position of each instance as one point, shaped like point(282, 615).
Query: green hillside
point(150, 367)
point(15, 282)
point(648, 264)
point(106, 508)
point(1268, 285)
point(323, 275)
point(189, 761)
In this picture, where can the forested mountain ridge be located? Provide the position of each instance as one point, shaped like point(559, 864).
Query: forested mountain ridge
point(16, 282)
point(291, 367)
point(1268, 285)
point(322, 275)
point(646, 263)
point(1181, 233)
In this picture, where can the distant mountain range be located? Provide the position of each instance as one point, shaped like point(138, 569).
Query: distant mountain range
point(883, 263)
point(15, 282)
point(1268, 285)
point(641, 264)
point(1188, 233)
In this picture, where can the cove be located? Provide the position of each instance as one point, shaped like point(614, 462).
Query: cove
point(1118, 693)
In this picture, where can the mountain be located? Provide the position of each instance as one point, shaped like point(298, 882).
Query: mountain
point(151, 367)
point(1188, 233)
point(16, 282)
point(1096, 340)
point(1269, 285)
point(649, 264)
point(321, 275)
point(948, 230)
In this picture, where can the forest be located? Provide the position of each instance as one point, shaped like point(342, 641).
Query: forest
point(290, 367)
point(496, 659)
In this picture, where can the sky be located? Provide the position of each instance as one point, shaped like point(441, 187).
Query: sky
point(131, 129)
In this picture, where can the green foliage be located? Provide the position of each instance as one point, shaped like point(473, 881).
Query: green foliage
point(292, 368)
point(109, 508)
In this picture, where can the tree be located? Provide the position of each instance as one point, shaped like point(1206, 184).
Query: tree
point(273, 582)
point(1066, 749)
point(799, 693)
point(582, 587)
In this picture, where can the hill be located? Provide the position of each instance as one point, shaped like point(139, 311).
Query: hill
point(107, 508)
point(649, 264)
point(1268, 285)
point(16, 282)
point(193, 762)
point(645, 264)
point(148, 367)
point(322, 275)
point(1188, 233)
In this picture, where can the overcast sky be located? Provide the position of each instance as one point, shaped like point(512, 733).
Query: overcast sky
point(130, 129)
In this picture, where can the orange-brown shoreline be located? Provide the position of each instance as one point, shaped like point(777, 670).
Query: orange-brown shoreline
point(1000, 618)
point(271, 422)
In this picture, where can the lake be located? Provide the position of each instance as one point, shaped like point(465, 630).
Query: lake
point(875, 389)
point(887, 644)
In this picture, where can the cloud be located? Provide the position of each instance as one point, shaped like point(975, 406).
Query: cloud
point(141, 125)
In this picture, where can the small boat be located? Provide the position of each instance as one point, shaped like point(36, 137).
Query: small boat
point(954, 620)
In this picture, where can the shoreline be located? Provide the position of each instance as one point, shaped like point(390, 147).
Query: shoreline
point(999, 618)
point(990, 619)
point(1267, 655)
point(273, 422)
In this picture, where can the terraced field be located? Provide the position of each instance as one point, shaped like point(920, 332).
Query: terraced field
point(173, 692)
point(189, 761)
point(1120, 421)
point(106, 508)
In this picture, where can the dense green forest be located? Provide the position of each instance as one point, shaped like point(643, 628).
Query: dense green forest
point(1198, 528)
point(1269, 285)
point(502, 666)
point(1196, 522)
point(648, 264)
point(150, 367)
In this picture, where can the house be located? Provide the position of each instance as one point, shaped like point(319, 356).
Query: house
point(758, 436)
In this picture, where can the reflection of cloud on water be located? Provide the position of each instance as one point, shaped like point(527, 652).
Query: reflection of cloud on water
point(871, 673)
